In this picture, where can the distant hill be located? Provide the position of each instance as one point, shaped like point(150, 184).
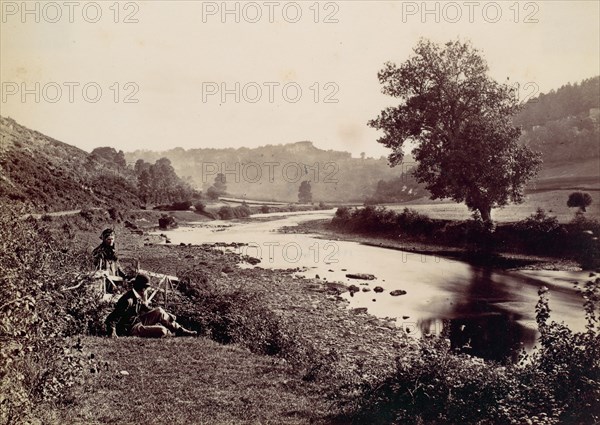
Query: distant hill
point(44, 174)
point(564, 124)
point(274, 172)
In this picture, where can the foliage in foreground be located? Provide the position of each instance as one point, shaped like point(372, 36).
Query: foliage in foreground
point(38, 362)
point(558, 383)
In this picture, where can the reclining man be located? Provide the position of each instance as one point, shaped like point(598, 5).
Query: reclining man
point(132, 315)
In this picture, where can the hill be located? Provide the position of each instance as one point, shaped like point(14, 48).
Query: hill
point(564, 125)
point(274, 172)
point(41, 174)
point(44, 174)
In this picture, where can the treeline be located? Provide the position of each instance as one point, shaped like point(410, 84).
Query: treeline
point(539, 234)
point(567, 101)
point(274, 172)
point(399, 189)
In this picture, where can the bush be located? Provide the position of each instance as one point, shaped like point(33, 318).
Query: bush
point(541, 233)
point(115, 214)
point(35, 316)
point(87, 214)
point(265, 209)
point(181, 206)
point(167, 221)
point(582, 200)
point(200, 207)
point(227, 213)
point(583, 241)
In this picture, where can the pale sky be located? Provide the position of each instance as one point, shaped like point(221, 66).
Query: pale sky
point(179, 55)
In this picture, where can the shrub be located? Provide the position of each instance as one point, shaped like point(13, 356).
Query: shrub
point(87, 214)
point(541, 233)
point(583, 241)
point(166, 221)
point(265, 209)
point(34, 315)
point(226, 212)
point(115, 214)
point(200, 207)
point(181, 206)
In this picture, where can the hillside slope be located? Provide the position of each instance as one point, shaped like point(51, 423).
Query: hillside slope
point(564, 125)
point(40, 174)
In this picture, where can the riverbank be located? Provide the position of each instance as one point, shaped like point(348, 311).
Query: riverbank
point(271, 350)
point(502, 260)
point(273, 347)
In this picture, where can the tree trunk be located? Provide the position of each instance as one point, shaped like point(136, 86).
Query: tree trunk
point(486, 213)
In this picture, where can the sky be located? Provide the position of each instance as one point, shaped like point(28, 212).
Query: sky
point(199, 74)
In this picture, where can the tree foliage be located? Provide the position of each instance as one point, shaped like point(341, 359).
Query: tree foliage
point(460, 120)
point(218, 188)
point(158, 183)
point(304, 192)
point(579, 199)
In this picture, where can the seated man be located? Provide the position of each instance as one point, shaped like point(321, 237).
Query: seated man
point(105, 256)
point(132, 315)
point(105, 260)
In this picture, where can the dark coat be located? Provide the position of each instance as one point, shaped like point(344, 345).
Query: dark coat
point(105, 258)
point(126, 313)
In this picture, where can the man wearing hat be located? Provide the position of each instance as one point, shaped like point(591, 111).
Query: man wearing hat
point(132, 315)
point(105, 257)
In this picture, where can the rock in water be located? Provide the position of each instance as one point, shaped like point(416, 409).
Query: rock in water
point(362, 276)
point(353, 288)
point(397, 292)
point(378, 289)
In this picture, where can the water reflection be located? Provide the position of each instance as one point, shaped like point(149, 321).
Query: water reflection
point(479, 323)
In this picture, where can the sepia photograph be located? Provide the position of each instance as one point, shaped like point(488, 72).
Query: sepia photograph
point(300, 212)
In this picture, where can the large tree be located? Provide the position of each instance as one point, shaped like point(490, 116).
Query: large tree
point(460, 123)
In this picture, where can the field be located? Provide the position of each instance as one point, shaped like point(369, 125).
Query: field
point(552, 201)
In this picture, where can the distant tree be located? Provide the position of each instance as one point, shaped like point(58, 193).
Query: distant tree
point(220, 183)
point(141, 165)
point(218, 188)
point(144, 186)
point(120, 159)
point(460, 121)
point(304, 193)
point(579, 199)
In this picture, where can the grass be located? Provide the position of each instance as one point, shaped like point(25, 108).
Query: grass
point(553, 201)
point(188, 381)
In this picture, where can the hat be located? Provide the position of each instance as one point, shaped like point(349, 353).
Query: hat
point(141, 282)
point(106, 233)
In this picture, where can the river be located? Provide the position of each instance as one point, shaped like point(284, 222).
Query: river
point(485, 312)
